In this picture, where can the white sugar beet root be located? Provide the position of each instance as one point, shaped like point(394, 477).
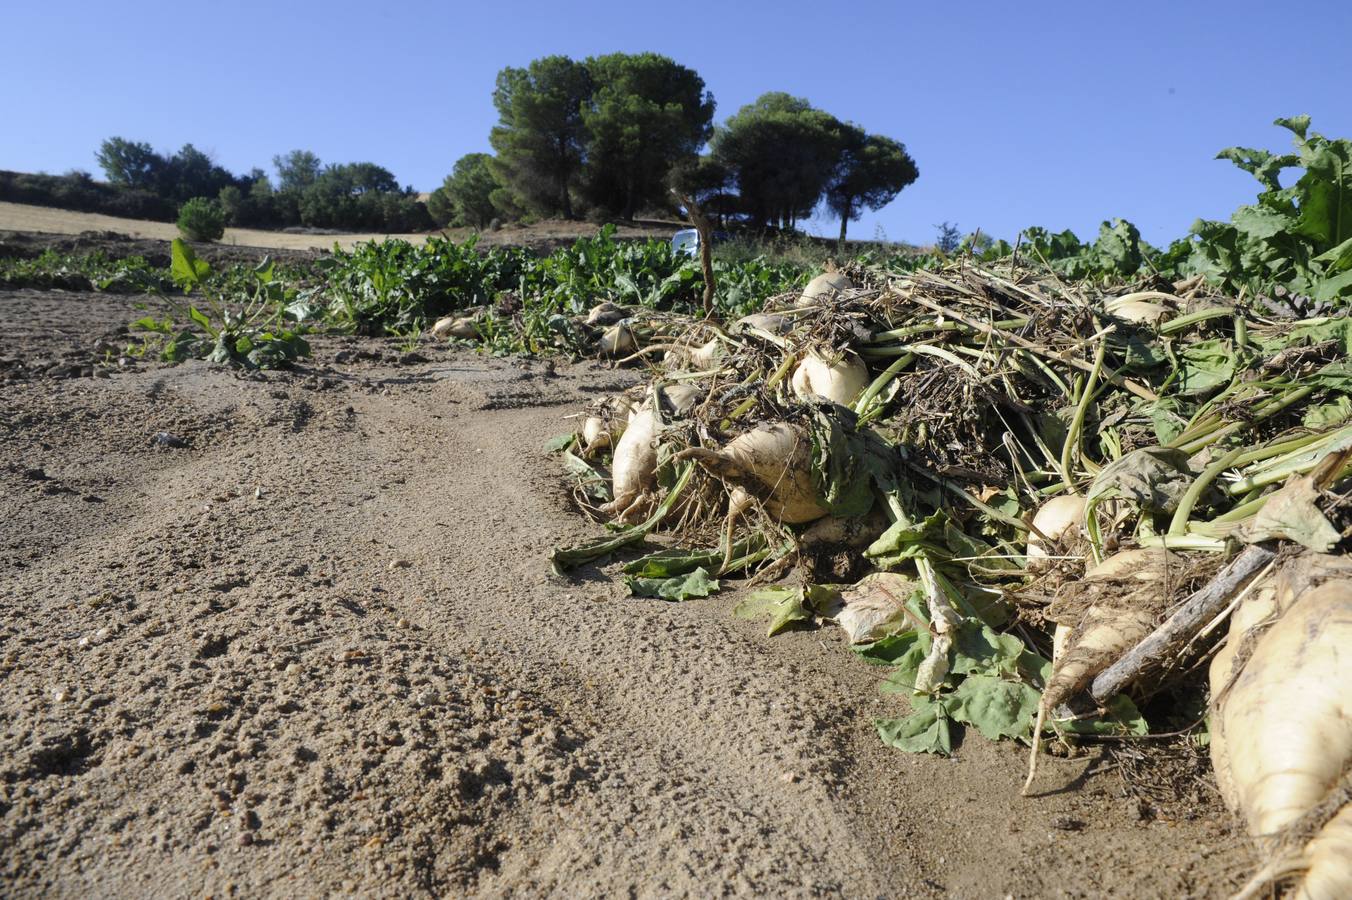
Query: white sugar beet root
point(1130, 589)
point(1284, 719)
point(826, 286)
point(1053, 520)
point(836, 379)
point(603, 428)
point(634, 465)
point(778, 459)
point(1133, 587)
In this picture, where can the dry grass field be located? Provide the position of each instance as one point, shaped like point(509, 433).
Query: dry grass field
point(543, 235)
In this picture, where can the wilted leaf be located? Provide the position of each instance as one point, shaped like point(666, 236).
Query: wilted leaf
point(680, 587)
point(1206, 366)
point(784, 607)
point(1335, 412)
point(847, 462)
point(926, 730)
point(1153, 478)
point(596, 487)
point(875, 607)
point(1291, 514)
point(1165, 418)
point(998, 708)
point(666, 563)
point(901, 541)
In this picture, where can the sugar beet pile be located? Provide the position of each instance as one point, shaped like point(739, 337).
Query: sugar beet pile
point(1044, 507)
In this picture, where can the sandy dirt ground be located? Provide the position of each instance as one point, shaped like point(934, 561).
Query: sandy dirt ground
point(542, 236)
point(310, 646)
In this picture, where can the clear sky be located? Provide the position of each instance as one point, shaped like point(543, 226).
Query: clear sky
point(1057, 114)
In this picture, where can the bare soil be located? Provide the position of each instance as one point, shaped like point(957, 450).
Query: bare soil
point(311, 646)
point(543, 236)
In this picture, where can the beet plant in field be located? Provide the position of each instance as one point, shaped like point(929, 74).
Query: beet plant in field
point(1298, 238)
point(238, 317)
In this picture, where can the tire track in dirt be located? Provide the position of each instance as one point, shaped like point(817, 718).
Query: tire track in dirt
point(700, 716)
point(695, 736)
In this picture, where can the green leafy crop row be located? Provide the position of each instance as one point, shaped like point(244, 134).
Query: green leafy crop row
point(1291, 250)
point(82, 272)
point(397, 287)
point(1292, 246)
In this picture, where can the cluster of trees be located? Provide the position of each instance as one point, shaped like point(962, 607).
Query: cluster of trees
point(600, 137)
point(610, 135)
point(350, 196)
point(143, 184)
point(79, 191)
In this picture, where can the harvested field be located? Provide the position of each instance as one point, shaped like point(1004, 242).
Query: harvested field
point(316, 649)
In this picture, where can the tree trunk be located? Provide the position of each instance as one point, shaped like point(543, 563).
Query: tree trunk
point(565, 202)
point(565, 171)
point(706, 248)
point(844, 223)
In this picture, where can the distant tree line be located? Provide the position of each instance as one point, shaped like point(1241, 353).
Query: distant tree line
point(79, 191)
point(142, 183)
point(606, 137)
point(610, 135)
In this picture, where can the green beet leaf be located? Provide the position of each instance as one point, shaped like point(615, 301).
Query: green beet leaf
point(783, 606)
point(996, 707)
point(926, 730)
point(889, 651)
point(187, 270)
point(560, 442)
point(1120, 717)
point(680, 587)
point(902, 678)
point(979, 650)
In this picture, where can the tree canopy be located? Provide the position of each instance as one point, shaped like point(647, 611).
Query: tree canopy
point(608, 136)
point(186, 174)
point(191, 173)
point(130, 164)
point(466, 196)
point(646, 114)
point(870, 171)
point(540, 136)
point(359, 195)
point(780, 153)
point(296, 170)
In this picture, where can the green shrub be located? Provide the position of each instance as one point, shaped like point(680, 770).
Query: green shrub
point(201, 219)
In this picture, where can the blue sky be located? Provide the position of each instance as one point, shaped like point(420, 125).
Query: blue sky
point(1058, 114)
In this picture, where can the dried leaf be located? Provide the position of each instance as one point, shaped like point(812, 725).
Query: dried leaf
point(875, 607)
point(1291, 514)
